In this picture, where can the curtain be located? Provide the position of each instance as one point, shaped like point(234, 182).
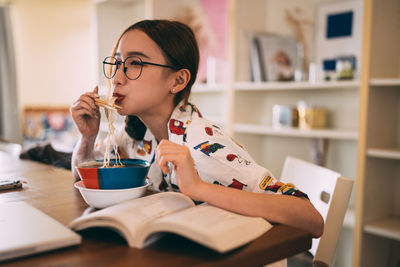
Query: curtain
point(10, 124)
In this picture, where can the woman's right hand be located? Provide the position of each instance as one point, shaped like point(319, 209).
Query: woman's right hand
point(86, 114)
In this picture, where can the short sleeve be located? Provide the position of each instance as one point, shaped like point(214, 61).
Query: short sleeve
point(219, 159)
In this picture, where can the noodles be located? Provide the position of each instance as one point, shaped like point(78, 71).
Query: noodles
point(90, 164)
point(111, 141)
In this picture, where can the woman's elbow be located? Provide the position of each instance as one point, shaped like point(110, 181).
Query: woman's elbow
point(318, 228)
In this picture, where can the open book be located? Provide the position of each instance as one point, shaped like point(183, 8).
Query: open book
point(140, 221)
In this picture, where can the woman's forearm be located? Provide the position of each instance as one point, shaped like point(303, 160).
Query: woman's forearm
point(83, 151)
point(274, 208)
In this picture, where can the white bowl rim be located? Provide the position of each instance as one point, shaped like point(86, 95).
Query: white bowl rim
point(79, 185)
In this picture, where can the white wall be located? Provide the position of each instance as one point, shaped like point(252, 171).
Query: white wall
point(303, 11)
point(112, 19)
point(55, 50)
point(249, 17)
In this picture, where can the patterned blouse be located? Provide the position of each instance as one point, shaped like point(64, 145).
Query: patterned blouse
point(217, 157)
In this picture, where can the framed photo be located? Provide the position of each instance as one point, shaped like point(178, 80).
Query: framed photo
point(53, 125)
point(273, 57)
point(338, 34)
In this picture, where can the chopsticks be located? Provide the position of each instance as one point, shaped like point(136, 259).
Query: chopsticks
point(102, 103)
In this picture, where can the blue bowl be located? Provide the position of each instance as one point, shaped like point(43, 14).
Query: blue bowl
point(132, 175)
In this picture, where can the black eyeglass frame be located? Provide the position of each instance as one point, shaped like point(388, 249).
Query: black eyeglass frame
point(119, 62)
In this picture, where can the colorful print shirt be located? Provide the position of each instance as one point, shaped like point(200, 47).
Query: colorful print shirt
point(217, 157)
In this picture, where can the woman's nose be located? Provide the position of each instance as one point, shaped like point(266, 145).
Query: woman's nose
point(119, 77)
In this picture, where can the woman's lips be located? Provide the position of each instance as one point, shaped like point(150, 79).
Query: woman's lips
point(119, 97)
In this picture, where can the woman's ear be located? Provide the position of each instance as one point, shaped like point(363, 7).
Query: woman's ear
point(180, 80)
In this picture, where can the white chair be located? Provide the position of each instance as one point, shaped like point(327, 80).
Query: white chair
point(329, 192)
point(10, 148)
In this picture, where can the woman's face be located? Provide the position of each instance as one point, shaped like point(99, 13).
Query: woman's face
point(150, 92)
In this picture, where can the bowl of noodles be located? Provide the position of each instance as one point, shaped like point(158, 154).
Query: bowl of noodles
point(102, 198)
point(117, 174)
point(109, 181)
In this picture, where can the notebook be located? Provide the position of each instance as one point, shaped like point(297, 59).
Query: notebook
point(25, 230)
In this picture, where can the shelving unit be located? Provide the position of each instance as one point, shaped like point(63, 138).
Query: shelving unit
point(273, 86)
point(385, 82)
point(384, 153)
point(377, 229)
point(388, 227)
point(244, 109)
point(295, 132)
point(210, 99)
point(349, 219)
point(251, 117)
point(199, 88)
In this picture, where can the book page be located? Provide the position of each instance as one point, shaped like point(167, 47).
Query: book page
point(213, 227)
point(130, 216)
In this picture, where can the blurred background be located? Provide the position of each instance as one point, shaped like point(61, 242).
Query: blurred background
point(282, 77)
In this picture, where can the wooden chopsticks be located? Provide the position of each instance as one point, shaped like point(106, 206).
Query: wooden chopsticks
point(102, 103)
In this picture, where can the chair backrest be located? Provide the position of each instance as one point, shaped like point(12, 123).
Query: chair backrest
point(329, 192)
point(11, 148)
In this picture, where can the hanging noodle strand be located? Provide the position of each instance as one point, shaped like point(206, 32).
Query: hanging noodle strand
point(111, 141)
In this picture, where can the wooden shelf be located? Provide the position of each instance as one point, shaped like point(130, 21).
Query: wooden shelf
point(295, 132)
point(385, 82)
point(387, 227)
point(208, 88)
point(384, 153)
point(276, 86)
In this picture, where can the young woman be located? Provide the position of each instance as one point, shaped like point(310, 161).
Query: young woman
point(152, 69)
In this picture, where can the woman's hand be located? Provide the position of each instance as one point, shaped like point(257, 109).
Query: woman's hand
point(179, 156)
point(86, 114)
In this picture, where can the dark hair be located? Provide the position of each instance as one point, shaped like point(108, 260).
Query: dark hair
point(179, 45)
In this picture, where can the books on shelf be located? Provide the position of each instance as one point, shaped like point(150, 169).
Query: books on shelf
point(256, 61)
point(142, 221)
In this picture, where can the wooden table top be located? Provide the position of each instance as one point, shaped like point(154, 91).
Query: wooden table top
point(51, 190)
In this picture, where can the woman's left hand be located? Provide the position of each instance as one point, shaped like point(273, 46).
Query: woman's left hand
point(179, 156)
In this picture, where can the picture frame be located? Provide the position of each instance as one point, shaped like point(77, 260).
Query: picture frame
point(54, 125)
point(274, 57)
point(338, 34)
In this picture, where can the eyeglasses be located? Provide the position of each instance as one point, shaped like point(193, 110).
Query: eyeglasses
point(132, 67)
